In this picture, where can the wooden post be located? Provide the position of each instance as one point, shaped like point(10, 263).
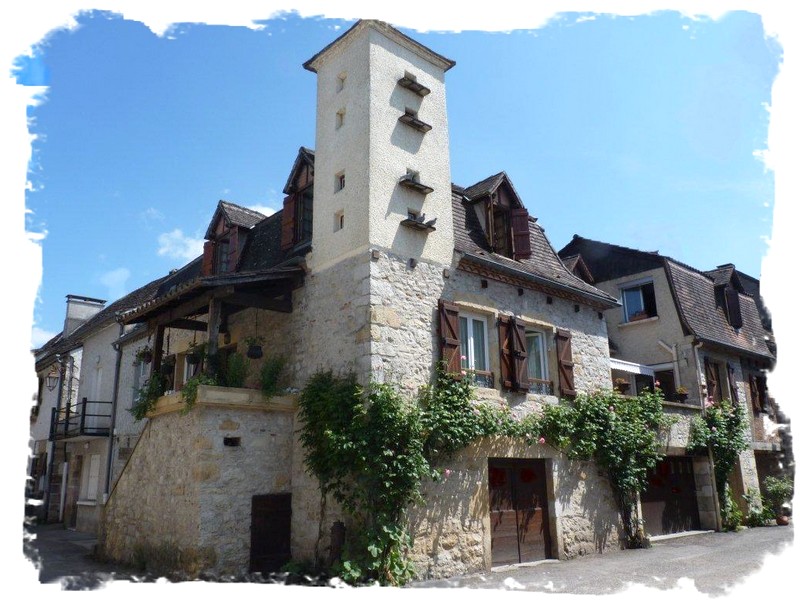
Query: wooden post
point(158, 350)
point(214, 321)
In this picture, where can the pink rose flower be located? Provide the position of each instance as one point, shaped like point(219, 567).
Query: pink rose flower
point(541, 440)
point(447, 472)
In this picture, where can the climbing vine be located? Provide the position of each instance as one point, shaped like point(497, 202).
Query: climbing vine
point(722, 429)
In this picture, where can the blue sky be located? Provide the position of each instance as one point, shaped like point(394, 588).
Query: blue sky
point(640, 131)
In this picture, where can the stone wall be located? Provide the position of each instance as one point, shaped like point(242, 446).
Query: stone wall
point(452, 532)
point(184, 491)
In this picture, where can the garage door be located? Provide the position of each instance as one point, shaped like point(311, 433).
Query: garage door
point(669, 504)
point(518, 495)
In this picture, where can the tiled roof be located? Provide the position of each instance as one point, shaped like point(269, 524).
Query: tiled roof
point(692, 289)
point(694, 293)
point(304, 156)
point(543, 263)
point(239, 216)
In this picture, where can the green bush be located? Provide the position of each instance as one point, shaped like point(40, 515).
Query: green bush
point(189, 389)
point(147, 396)
point(777, 492)
point(271, 371)
point(236, 371)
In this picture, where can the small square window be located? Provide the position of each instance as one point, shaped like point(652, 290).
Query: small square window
point(339, 183)
point(639, 302)
point(339, 118)
point(338, 221)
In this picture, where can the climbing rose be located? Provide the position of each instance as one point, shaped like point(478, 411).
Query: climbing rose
point(447, 472)
point(541, 440)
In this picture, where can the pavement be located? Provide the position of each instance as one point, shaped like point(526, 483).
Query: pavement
point(715, 562)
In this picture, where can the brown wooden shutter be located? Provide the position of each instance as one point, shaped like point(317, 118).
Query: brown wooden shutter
point(521, 233)
point(733, 307)
point(520, 356)
point(287, 222)
point(712, 384)
point(732, 385)
point(449, 337)
point(566, 374)
point(506, 338)
point(763, 398)
point(754, 395)
point(208, 259)
point(233, 255)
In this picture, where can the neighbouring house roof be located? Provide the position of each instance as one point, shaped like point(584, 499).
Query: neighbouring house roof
point(391, 33)
point(46, 354)
point(543, 265)
point(578, 267)
point(692, 290)
point(727, 273)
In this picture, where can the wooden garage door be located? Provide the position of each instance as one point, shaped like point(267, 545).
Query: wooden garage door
point(669, 504)
point(270, 532)
point(518, 498)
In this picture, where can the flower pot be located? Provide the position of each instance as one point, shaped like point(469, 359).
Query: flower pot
point(167, 367)
point(782, 520)
point(682, 397)
point(254, 352)
point(147, 357)
point(623, 387)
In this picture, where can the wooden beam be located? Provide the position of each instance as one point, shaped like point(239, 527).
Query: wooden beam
point(214, 321)
point(158, 350)
point(260, 302)
point(190, 307)
point(189, 324)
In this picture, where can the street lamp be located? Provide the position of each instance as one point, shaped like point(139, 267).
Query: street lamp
point(51, 380)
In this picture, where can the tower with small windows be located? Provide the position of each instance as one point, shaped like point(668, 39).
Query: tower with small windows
point(382, 167)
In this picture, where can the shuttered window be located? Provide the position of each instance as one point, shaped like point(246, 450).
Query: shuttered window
point(288, 222)
point(733, 307)
point(449, 337)
point(566, 374)
point(513, 354)
point(713, 390)
point(732, 384)
point(521, 234)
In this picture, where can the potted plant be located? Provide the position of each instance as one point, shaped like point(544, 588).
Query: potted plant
point(196, 353)
point(168, 365)
point(254, 350)
point(682, 393)
point(778, 496)
point(622, 384)
point(143, 355)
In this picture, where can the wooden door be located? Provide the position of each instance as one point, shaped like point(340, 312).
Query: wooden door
point(270, 532)
point(669, 504)
point(518, 511)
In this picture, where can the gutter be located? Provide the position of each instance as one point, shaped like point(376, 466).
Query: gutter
point(114, 398)
point(609, 302)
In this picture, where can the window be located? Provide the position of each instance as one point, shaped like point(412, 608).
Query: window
point(338, 221)
point(474, 347)
point(222, 256)
point(340, 81)
point(666, 381)
point(713, 381)
point(509, 234)
point(189, 370)
point(339, 182)
point(140, 375)
point(639, 302)
point(537, 362)
point(339, 118)
point(305, 214)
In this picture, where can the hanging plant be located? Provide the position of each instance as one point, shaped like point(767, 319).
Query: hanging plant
point(254, 350)
point(143, 355)
point(168, 365)
point(196, 353)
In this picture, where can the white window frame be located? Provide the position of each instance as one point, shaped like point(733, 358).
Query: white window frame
point(543, 362)
point(633, 285)
point(468, 344)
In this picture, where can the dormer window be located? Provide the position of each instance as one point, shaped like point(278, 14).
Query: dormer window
point(508, 232)
point(222, 255)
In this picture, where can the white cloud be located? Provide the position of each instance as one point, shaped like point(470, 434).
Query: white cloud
point(264, 210)
point(115, 281)
point(40, 336)
point(151, 214)
point(179, 247)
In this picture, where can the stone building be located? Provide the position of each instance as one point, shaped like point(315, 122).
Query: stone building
point(706, 332)
point(380, 266)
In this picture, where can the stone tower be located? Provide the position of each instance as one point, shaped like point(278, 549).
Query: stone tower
point(382, 169)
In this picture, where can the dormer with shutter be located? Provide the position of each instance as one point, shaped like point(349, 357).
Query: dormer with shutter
point(298, 206)
point(226, 236)
point(502, 216)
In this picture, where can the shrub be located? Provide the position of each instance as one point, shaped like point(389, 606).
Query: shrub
point(271, 371)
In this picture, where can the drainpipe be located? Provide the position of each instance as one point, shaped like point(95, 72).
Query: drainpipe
point(65, 474)
point(112, 428)
point(717, 511)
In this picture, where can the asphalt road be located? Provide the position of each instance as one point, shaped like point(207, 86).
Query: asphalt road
point(715, 562)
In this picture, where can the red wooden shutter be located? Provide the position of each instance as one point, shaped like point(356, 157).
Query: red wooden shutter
point(520, 356)
point(506, 352)
point(287, 222)
point(208, 259)
point(732, 385)
point(449, 337)
point(566, 374)
point(521, 233)
point(711, 381)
